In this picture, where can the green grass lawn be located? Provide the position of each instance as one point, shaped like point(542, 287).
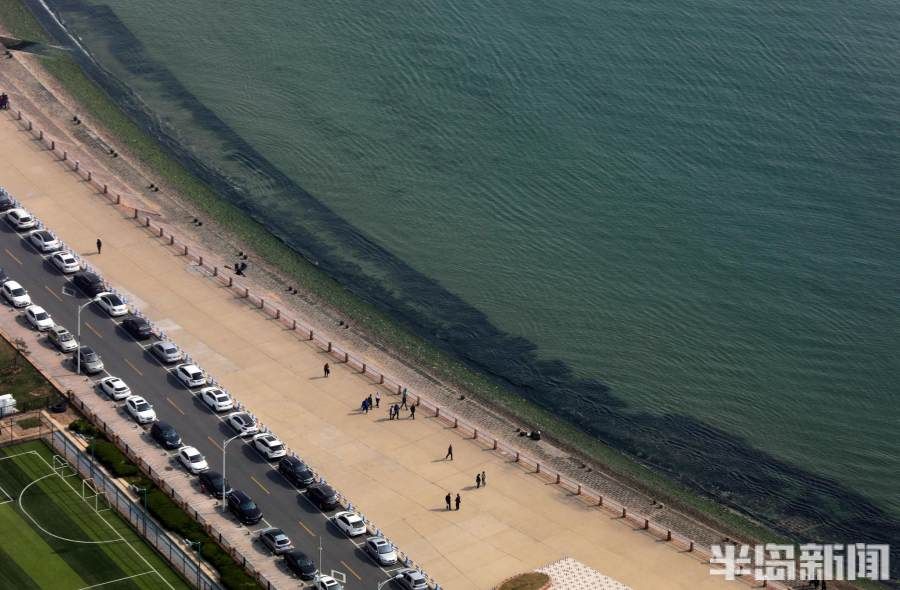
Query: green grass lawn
point(52, 539)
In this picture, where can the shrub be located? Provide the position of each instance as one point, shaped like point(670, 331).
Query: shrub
point(529, 581)
point(29, 423)
point(84, 428)
point(112, 458)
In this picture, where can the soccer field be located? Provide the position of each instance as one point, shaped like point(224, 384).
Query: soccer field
point(52, 538)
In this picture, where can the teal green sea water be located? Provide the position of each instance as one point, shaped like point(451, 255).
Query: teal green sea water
point(695, 203)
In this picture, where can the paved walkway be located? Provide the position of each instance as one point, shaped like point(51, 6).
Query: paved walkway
point(393, 471)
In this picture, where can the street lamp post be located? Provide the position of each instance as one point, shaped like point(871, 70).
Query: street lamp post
point(199, 545)
point(224, 445)
point(78, 335)
point(143, 493)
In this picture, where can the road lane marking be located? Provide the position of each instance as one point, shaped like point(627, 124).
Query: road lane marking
point(261, 486)
point(344, 563)
point(92, 329)
point(306, 528)
point(49, 290)
point(168, 399)
point(217, 445)
point(135, 369)
point(13, 256)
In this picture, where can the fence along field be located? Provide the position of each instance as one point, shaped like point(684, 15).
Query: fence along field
point(58, 530)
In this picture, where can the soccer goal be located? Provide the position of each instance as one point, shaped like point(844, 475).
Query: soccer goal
point(92, 495)
point(61, 467)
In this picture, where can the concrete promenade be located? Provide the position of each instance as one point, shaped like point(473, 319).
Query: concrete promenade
point(393, 471)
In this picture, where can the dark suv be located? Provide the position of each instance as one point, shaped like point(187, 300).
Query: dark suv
point(89, 282)
point(300, 563)
point(139, 328)
point(243, 507)
point(322, 496)
point(295, 471)
point(166, 435)
point(212, 482)
point(6, 202)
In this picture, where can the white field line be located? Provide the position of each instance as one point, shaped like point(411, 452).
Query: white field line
point(119, 580)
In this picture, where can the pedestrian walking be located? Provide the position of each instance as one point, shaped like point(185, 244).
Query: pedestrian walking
point(377, 398)
point(366, 405)
point(449, 454)
point(477, 480)
point(396, 411)
point(370, 400)
point(458, 501)
point(484, 479)
point(326, 369)
point(447, 500)
point(403, 399)
point(412, 412)
point(99, 245)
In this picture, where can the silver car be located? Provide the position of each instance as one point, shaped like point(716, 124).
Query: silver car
point(62, 338)
point(90, 361)
point(167, 352)
point(276, 540)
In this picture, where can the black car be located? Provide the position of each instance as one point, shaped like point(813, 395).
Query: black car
point(243, 507)
point(166, 435)
point(139, 328)
point(295, 471)
point(89, 282)
point(212, 482)
point(322, 496)
point(300, 563)
point(6, 202)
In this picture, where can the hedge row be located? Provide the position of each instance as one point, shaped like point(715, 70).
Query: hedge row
point(112, 458)
point(84, 428)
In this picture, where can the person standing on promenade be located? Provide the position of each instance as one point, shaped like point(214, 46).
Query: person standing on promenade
point(326, 369)
point(477, 480)
point(449, 454)
point(458, 501)
point(377, 399)
point(447, 500)
point(99, 245)
point(484, 479)
point(403, 399)
point(412, 412)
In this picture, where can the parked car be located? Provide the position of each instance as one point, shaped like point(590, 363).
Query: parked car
point(38, 318)
point(3, 276)
point(269, 445)
point(300, 564)
point(190, 375)
point(212, 483)
point(6, 202)
point(350, 522)
point(412, 580)
point(111, 304)
point(15, 294)
point(88, 283)
point(115, 388)
point(276, 540)
point(296, 471)
point(243, 507)
point(62, 338)
point(139, 328)
point(216, 399)
point(192, 460)
point(140, 409)
point(89, 360)
point(381, 550)
point(65, 262)
point(322, 496)
point(20, 219)
point(327, 583)
point(243, 423)
point(44, 241)
point(166, 435)
point(167, 352)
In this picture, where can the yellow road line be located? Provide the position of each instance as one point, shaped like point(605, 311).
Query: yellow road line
point(13, 256)
point(344, 563)
point(261, 486)
point(168, 399)
point(52, 292)
point(130, 364)
point(218, 446)
point(300, 522)
point(92, 329)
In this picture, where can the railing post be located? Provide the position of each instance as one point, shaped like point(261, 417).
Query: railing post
point(52, 145)
point(230, 281)
point(65, 155)
point(381, 380)
point(517, 456)
point(600, 501)
point(646, 524)
point(537, 467)
point(579, 490)
point(90, 176)
point(215, 271)
point(668, 535)
point(691, 546)
point(495, 444)
point(278, 314)
point(624, 513)
point(329, 347)
point(171, 238)
point(557, 478)
point(455, 422)
point(474, 434)
point(364, 368)
point(346, 357)
point(437, 411)
point(311, 335)
point(77, 166)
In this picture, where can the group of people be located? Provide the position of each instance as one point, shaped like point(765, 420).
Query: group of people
point(480, 481)
point(4, 102)
point(371, 402)
point(394, 411)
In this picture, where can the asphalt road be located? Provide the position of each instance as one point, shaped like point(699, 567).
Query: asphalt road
point(282, 505)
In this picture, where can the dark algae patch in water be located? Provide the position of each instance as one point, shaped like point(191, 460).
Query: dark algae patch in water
point(439, 330)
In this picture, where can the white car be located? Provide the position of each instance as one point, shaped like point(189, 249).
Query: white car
point(327, 583)
point(190, 375)
point(115, 388)
point(216, 399)
point(111, 304)
point(412, 580)
point(44, 241)
point(20, 218)
point(269, 445)
point(62, 338)
point(38, 318)
point(192, 460)
point(350, 522)
point(66, 262)
point(381, 550)
point(243, 423)
point(167, 352)
point(15, 294)
point(140, 409)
